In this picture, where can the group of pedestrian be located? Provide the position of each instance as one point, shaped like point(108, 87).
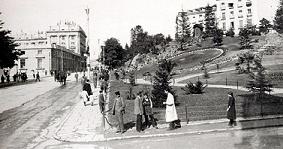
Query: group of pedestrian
point(143, 107)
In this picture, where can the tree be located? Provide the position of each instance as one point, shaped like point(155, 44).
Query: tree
point(258, 82)
point(8, 51)
point(247, 58)
point(168, 39)
point(161, 82)
point(210, 24)
point(218, 37)
point(113, 53)
point(183, 30)
point(264, 26)
point(244, 36)
point(278, 20)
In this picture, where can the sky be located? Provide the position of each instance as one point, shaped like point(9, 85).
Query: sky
point(108, 18)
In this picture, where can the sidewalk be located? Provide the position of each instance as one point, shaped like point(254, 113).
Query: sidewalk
point(83, 124)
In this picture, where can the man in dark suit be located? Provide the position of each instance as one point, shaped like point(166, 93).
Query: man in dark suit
point(87, 87)
point(101, 101)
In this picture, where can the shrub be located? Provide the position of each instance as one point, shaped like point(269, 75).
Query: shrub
point(196, 88)
point(230, 32)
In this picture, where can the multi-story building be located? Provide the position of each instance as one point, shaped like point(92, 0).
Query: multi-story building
point(68, 35)
point(60, 48)
point(234, 14)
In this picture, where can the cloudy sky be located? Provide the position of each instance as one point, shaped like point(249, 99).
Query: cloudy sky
point(108, 18)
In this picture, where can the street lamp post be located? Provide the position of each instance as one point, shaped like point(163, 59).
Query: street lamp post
point(87, 52)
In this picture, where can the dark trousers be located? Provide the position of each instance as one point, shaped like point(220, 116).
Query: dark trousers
point(139, 123)
point(119, 117)
point(232, 122)
point(152, 120)
point(101, 106)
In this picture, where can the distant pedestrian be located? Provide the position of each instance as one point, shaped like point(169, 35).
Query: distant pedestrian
point(87, 87)
point(119, 110)
point(138, 111)
point(101, 101)
point(148, 113)
point(171, 113)
point(95, 79)
point(8, 78)
point(231, 110)
point(83, 80)
point(77, 76)
point(2, 79)
point(37, 77)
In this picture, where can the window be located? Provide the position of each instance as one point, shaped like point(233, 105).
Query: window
point(73, 37)
point(39, 63)
point(222, 4)
point(223, 16)
point(240, 13)
point(72, 43)
point(232, 14)
point(249, 11)
point(33, 43)
point(22, 63)
point(224, 26)
point(63, 43)
point(39, 51)
point(231, 5)
point(239, 0)
point(232, 25)
point(249, 22)
point(241, 25)
point(249, 4)
point(63, 37)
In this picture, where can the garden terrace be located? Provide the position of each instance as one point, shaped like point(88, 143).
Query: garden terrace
point(212, 104)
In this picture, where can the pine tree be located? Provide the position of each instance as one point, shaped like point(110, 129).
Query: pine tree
point(258, 82)
point(264, 26)
point(244, 36)
point(278, 20)
point(161, 82)
point(218, 37)
point(210, 23)
point(183, 30)
point(8, 51)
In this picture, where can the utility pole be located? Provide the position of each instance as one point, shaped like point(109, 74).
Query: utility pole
point(87, 45)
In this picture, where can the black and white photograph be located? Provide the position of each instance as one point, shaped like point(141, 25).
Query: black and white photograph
point(141, 74)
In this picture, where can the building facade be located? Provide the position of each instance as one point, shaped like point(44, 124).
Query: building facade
point(234, 14)
point(60, 48)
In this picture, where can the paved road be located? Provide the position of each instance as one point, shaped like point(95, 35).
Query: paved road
point(37, 120)
point(265, 138)
point(259, 138)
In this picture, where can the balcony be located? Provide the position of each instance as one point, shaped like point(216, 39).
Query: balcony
point(240, 16)
point(249, 15)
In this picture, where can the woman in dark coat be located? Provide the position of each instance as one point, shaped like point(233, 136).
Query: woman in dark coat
point(148, 113)
point(231, 110)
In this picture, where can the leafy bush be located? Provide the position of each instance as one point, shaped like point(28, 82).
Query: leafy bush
point(230, 32)
point(196, 88)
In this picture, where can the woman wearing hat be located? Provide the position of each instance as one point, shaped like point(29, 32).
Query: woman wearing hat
point(231, 110)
